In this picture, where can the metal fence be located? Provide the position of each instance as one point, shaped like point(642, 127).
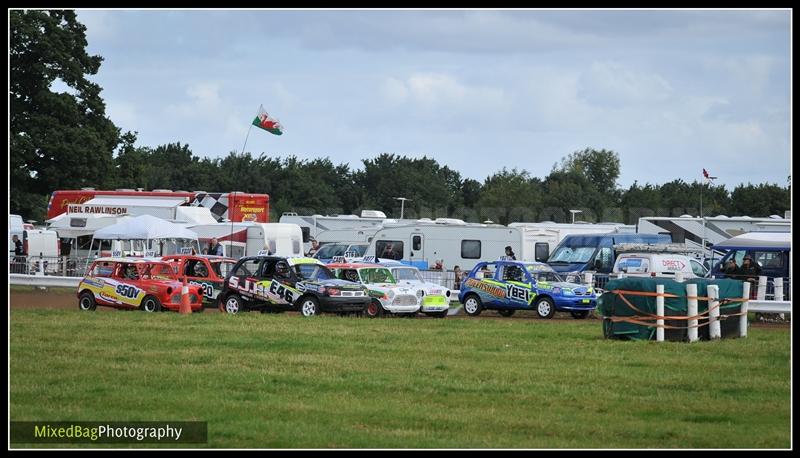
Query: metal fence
point(63, 266)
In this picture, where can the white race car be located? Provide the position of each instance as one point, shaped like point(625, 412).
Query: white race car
point(436, 300)
point(388, 295)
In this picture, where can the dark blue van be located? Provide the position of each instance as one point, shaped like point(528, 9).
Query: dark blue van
point(578, 253)
point(770, 250)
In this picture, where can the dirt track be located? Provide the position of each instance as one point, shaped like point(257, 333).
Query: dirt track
point(65, 299)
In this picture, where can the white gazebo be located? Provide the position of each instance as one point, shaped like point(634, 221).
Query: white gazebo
point(145, 236)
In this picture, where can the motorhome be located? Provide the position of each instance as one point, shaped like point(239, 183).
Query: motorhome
point(248, 239)
point(541, 239)
point(317, 224)
point(709, 231)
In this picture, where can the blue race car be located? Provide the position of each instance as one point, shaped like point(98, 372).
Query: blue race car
point(508, 286)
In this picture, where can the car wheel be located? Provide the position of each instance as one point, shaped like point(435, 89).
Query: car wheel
point(579, 315)
point(545, 308)
point(86, 302)
point(309, 306)
point(374, 309)
point(473, 305)
point(233, 305)
point(151, 304)
point(506, 312)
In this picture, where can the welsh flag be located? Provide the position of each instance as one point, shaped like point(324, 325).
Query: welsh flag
point(707, 176)
point(268, 123)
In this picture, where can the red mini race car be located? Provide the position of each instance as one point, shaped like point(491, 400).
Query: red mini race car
point(207, 272)
point(134, 283)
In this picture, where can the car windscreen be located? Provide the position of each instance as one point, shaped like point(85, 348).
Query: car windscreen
point(330, 250)
point(407, 274)
point(312, 272)
point(376, 275)
point(358, 250)
point(551, 277)
point(574, 254)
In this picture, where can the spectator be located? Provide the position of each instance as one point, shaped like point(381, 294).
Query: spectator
point(731, 268)
point(510, 253)
point(388, 251)
point(19, 255)
point(439, 265)
point(314, 248)
point(456, 277)
point(749, 271)
point(215, 249)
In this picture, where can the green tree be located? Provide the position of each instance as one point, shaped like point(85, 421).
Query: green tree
point(58, 139)
point(510, 196)
point(760, 200)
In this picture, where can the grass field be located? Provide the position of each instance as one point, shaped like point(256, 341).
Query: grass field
point(281, 381)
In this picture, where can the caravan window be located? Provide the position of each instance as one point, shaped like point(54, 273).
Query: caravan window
point(389, 249)
point(471, 249)
point(541, 251)
point(416, 242)
point(296, 246)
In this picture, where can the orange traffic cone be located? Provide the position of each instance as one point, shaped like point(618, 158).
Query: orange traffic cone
point(186, 306)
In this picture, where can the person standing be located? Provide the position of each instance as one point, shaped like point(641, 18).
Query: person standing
point(19, 255)
point(215, 249)
point(314, 248)
point(510, 253)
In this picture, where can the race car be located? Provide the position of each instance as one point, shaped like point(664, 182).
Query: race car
point(508, 286)
point(387, 294)
point(436, 299)
point(131, 283)
point(207, 272)
point(273, 283)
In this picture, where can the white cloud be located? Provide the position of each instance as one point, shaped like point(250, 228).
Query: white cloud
point(615, 84)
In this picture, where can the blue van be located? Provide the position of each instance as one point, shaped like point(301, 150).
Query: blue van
point(771, 250)
point(578, 253)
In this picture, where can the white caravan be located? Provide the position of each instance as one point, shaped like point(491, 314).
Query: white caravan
point(249, 238)
point(319, 223)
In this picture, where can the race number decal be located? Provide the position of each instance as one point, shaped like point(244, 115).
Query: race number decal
point(127, 291)
point(282, 292)
point(207, 289)
point(515, 293)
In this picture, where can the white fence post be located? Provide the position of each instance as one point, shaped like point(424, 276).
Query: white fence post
point(761, 293)
point(660, 313)
point(587, 279)
point(714, 329)
point(691, 292)
point(40, 270)
point(743, 317)
point(778, 285)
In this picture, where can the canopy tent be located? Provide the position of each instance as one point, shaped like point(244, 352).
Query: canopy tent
point(146, 230)
point(72, 226)
point(765, 241)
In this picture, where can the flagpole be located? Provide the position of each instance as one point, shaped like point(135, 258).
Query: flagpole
point(251, 128)
point(702, 185)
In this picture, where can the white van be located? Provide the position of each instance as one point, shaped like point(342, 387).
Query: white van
point(658, 265)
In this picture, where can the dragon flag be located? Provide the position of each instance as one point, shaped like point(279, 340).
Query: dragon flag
point(268, 123)
point(707, 177)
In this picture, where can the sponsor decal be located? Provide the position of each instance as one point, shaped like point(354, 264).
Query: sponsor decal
point(186, 250)
point(486, 288)
point(672, 264)
point(272, 291)
point(96, 282)
point(300, 286)
point(296, 261)
point(370, 258)
point(96, 209)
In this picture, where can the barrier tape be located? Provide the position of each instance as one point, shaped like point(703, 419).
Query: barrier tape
point(644, 317)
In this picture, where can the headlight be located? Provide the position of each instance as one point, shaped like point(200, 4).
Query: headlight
point(569, 292)
point(420, 293)
point(390, 294)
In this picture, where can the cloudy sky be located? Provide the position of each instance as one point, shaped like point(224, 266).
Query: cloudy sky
point(671, 91)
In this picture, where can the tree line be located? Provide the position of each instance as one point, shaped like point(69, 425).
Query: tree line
point(64, 140)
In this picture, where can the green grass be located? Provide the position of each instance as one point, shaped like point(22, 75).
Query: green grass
point(281, 381)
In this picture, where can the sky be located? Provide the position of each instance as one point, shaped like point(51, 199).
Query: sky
point(671, 91)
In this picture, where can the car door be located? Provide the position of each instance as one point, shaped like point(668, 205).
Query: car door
point(198, 272)
point(517, 283)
